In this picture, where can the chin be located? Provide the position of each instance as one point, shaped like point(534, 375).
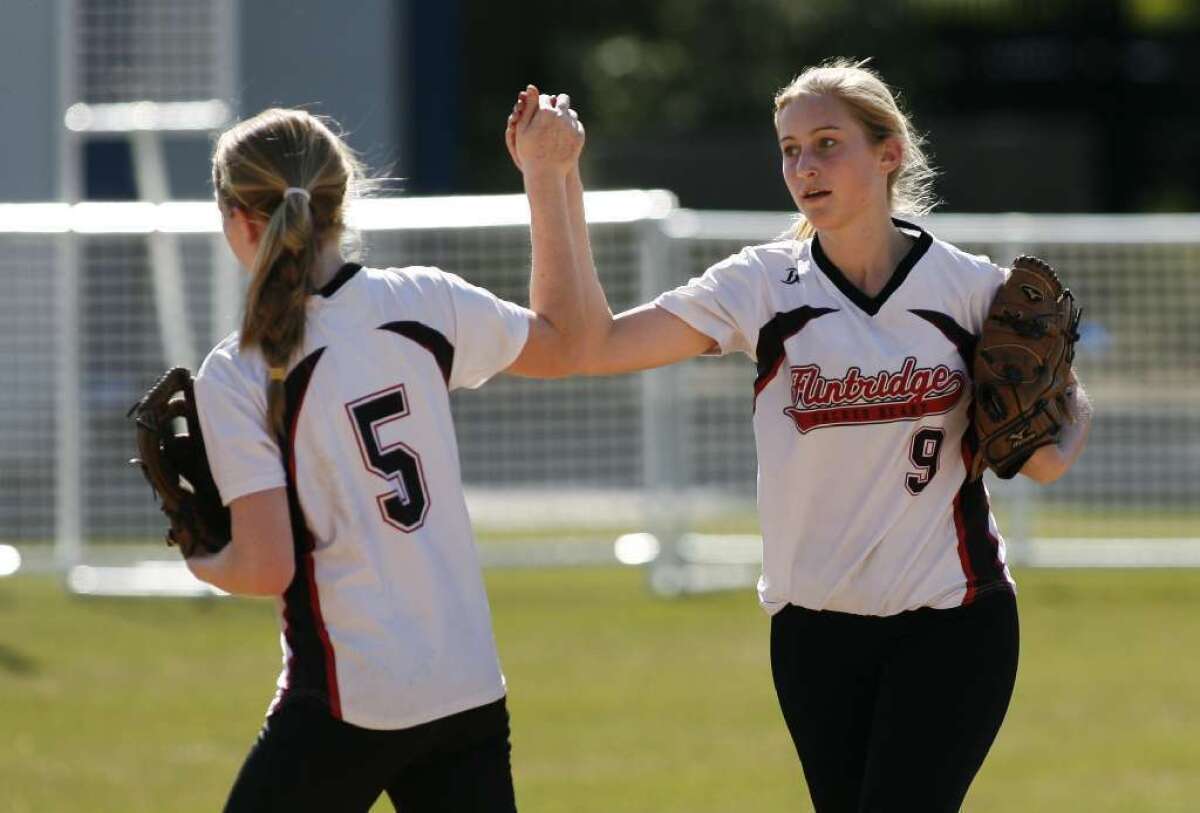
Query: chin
point(821, 221)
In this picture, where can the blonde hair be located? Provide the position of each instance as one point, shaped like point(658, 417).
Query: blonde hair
point(287, 168)
point(872, 103)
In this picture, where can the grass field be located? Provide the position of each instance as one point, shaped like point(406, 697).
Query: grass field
point(620, 701)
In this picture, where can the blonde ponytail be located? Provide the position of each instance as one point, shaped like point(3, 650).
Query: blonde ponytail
point(286, 169)
point(279, 288)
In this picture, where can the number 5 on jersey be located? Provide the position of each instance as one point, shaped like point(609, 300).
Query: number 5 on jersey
point(407, 503)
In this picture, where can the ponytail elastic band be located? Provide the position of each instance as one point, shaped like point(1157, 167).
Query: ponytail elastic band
point(278, 373)
point(297, 190)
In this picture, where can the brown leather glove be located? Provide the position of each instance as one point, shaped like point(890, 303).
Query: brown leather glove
point(1022, 367)
point(176, 466)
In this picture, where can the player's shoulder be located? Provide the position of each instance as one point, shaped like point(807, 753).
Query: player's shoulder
point(401, 277)
point(415, 280)
point(773, 254)
point(976, 266)
point(760, 261)
point(426, 294)
point(231, 365)
point(226, 356)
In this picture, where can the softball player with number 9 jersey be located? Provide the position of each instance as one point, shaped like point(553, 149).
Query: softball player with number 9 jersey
point(329, 434)
point(893, 618)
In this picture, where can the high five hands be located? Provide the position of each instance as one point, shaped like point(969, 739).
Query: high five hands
point(543, 133)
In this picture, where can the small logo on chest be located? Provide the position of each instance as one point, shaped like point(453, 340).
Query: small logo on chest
point(792, 277)
point(887, 396)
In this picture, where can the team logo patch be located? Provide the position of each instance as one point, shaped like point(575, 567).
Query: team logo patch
point(885, 397)
point(1022, 435)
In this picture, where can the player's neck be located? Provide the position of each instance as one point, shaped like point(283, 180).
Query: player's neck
point(329, 262)
point(866, 251)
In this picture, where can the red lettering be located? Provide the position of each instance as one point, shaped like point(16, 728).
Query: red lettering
point(905, 394)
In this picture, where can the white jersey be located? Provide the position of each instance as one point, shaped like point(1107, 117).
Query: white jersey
point(861, 423)
point(386, 620)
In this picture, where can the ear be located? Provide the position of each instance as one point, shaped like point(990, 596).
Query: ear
point(891, 154)
point(249, 227)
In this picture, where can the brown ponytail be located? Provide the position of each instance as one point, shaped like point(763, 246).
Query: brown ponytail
point(288, 170)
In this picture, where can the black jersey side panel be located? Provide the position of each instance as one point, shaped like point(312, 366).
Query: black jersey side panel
point(958, 335)
point(311, 669)
point(978, 548)
point(430, 339)
point(773, 334)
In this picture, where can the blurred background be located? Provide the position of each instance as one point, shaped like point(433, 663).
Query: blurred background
point(1086, 105)
point(1068, 129)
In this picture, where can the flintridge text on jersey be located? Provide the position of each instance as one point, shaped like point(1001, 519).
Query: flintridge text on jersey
point(887, 396)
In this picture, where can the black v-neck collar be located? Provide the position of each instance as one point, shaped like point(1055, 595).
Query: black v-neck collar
point(868, 304)
point(339, 279)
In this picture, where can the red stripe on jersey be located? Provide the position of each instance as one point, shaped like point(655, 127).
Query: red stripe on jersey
point(762, 381)
point(310, 572)
point(335, 701)
point(772, 335)
point(981, 518)
point(960, 526)
point(963, 557)
point(304, 625)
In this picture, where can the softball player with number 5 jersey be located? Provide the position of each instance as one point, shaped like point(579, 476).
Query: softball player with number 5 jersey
point(329, 433)
point(893, 617)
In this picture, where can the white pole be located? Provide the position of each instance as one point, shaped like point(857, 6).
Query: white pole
point(69, 436)
point(166, 260)
point(662, 433)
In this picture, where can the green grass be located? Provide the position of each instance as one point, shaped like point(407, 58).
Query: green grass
point(1075, 521)
point(620, 701)
point(1047, 520)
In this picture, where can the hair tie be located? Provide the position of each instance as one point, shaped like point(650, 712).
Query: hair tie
point(297, 190)
point(278, 373)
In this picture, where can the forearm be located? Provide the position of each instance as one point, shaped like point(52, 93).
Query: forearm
point(597, 314)
point(595, 301)
point(233, 571)
point(554, 290)
point(1074, 435)
point(1051, 462)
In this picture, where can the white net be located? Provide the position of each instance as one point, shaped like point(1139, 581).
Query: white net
point(542, 460)
point(1139, 357)
point(671, 451)
point(152, 50)
point(28, 366)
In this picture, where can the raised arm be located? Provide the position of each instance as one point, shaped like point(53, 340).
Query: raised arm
point(550, 141)
point(638, 339)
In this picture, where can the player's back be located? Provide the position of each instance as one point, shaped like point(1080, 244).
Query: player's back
point(387, 617)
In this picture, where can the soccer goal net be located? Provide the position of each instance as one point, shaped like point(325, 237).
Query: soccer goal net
point(558, 463)
point(1133, 499)
point(555, 471)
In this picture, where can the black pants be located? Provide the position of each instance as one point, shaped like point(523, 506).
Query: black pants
point(896, 713)
point(305, 760)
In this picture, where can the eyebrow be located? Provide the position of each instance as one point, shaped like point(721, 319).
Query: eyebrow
point(813, 130)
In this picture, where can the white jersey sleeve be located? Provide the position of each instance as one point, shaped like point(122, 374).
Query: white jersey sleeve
point(983, 279)
point(489, 332)
point(991, 277)
point(727, 303)
point(242, 454)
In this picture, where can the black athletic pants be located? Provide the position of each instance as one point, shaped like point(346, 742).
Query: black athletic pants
point(305, 760)
point(895, 714)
